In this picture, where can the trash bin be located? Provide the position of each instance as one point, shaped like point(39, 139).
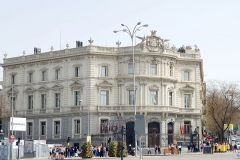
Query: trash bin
point(207, 150)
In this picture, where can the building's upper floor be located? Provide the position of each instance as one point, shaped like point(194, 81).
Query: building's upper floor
point(152, 59)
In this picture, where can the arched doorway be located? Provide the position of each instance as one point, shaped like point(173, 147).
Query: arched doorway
point(130, 134)
point(153, 134)
point(170, 132)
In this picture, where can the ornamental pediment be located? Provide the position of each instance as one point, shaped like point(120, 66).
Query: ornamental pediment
point(12, 90)
point(153, 87)
point(104, 84)
point(187, 88)
point(76, 85)
point(43, 88)
point(29, 90)
point(57, 87)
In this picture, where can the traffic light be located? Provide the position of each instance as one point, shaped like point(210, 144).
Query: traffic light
point(18, 141)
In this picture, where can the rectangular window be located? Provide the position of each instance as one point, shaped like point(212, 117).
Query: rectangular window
point(187, 100)
point(57, 74)
point(104, 97)
point(13, 102)
point(77, 126)
point(30, 77)
point(186, 76)
point(76, 98)
point(131, 99)
point(153, 69)
point(30, 102)
point(57, 100)
point(1, 125)
point(171, 70)
point(43, 128)
point(43, 101)
point(104, 126)
point(44, 75)
point(76, 71)
point(56, 130)
point(187, 127)
point(104, 71)
point(153, 97)
point(170, 98)
point(29, 128)
point(130, 68)
point(13, 78)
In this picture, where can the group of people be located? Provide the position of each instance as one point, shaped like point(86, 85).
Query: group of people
point(60, 152)
point(100, 151)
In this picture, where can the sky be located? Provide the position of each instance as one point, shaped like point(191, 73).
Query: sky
point(214, 26)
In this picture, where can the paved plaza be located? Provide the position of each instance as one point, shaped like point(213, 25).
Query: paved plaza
point(186, 156)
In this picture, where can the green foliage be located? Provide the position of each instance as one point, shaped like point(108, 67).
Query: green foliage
point(87, 150)
point(119, 149)
point(112, 149)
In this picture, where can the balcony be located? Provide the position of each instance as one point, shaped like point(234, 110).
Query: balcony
point(148, 109)
point(52, 111)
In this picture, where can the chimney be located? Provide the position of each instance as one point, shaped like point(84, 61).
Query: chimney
point(37, 50)
point(79, 44)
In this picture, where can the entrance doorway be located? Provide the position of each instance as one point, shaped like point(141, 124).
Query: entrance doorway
point(130, 134)
point(170, 132)
point(153, 134)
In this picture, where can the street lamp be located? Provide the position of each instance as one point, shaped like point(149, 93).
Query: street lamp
point(132, 34)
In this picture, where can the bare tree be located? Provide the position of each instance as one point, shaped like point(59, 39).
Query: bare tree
point(222, 107)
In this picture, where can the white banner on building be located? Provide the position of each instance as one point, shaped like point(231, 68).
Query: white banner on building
point(17, 124)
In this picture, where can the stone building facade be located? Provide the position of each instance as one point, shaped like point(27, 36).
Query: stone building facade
point(89, 90)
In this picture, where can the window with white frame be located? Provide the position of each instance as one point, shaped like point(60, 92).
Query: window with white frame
point(13, 78)
point(130, 68)
point(57, 73)
point(131, 99)
point(43, 128)
point(104, 71)
point(56, 128)
point(30, 102)
point(43, 101)
point(57, 100)
point(104, 97)
point(76, 71)
point(76, 98)
point(29, 128)
point(104, 126)
point(170, 96)
point(187, 100)
point(76, 126)
point(30, 77)
point(13, 102)
point(153, 97)
point(44, 75)
point(153, 69)
point(186, 75)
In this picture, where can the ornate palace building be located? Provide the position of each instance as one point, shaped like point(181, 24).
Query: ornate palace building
point(89, 90)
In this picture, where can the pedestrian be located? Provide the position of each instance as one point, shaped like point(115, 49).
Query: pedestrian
point(156, 149)
point(159, 149)
point(149, 150)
